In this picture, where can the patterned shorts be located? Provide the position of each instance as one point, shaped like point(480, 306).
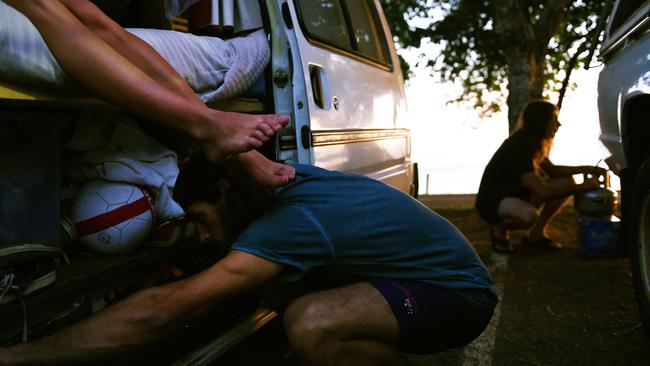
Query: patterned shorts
point(432, 319)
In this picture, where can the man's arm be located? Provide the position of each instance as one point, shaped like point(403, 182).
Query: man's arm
point(146, 316)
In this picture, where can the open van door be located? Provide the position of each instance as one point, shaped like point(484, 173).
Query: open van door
point(351, 112)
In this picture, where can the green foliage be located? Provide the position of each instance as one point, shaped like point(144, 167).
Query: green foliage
point(472, 52)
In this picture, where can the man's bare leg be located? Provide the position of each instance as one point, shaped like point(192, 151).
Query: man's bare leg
point(351, 325)
point(94, 64)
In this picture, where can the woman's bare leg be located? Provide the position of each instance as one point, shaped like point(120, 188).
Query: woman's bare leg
point(517, 214)
point(93, 63)
point(139, 52)
point(550, 209)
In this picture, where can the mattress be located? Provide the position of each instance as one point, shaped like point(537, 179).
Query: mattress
point(216, 69)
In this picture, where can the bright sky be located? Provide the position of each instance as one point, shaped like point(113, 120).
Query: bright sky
point(452, 144)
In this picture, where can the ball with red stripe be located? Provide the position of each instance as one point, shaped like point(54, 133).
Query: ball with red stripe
point(111, 217)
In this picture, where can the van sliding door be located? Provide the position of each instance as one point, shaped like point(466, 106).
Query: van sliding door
point(354, 89)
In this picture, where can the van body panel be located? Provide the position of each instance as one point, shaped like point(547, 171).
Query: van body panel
point(624, 77)
point(347, 94)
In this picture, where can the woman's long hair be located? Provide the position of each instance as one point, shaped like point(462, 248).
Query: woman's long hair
point(535, 123)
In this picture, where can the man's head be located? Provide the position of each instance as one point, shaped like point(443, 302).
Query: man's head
point(219, 201)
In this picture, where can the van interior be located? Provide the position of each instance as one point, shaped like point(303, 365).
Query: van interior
point(43, 121)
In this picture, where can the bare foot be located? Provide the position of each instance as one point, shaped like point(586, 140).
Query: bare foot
point(237, 132)
point(264, 171)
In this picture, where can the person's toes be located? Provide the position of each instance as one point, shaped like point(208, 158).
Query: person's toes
point(287, 173)
point(267, 129)
point(259, 135)
point(278, 121)
point(291, 171)
point(254, 143)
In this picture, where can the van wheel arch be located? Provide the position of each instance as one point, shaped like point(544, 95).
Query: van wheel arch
point(636, 147)
point(640, 242)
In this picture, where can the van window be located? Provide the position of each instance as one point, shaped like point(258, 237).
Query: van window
point(350, 25)
point(625, 9)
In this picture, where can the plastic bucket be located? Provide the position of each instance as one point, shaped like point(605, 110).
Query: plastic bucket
point(598, 236)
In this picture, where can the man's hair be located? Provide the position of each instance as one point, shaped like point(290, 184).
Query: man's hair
point(242, 202)
point(198, 181)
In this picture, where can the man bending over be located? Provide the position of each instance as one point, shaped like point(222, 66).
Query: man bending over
point(406, 279)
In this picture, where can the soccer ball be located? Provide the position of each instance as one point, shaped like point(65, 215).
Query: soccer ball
point(112, 218)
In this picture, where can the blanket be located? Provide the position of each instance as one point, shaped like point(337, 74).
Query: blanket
point(216, 69)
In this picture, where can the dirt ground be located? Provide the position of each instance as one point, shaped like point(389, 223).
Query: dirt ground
point(556, 308)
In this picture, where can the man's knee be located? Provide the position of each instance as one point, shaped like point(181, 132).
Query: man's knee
point(307, 325)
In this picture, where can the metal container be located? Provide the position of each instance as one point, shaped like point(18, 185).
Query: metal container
point(601, 202)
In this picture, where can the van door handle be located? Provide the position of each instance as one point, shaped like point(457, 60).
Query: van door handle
point(319, 86)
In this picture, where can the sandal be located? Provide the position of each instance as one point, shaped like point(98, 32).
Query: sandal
point(544, 242)
point(501, 245)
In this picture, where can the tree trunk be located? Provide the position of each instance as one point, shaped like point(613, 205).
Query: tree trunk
point(520, 77)
point(512, 25)
point(524, 48)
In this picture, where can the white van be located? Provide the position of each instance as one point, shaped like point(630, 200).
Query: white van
point(623, 104)
point(333, 68)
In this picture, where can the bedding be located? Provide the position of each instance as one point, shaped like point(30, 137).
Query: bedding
point(216, 69)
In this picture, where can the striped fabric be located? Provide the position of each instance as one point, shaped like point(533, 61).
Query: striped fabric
point(214, 68)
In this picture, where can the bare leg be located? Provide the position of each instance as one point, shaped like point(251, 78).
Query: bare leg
point(96, 65)
point(140, 53)
point(517, 214)
point(264, 171)
point(550, 209)
point(351, 325)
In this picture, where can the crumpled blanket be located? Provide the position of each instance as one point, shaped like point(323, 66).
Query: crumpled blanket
point(111, 147)
point(216, 69)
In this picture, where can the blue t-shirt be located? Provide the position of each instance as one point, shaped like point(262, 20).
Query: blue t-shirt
point(350, 226)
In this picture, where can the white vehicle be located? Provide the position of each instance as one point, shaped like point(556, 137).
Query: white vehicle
point(333, 68)
point(623, 104)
